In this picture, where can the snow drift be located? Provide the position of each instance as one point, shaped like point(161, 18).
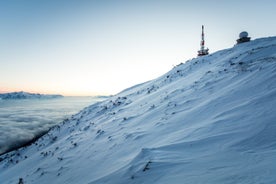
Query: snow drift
point(210, 120)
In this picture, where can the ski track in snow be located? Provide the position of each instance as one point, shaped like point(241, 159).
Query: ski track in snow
point(210, 120)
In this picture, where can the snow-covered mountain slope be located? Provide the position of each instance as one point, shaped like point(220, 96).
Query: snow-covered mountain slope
point(25, 95)
point(210, 120)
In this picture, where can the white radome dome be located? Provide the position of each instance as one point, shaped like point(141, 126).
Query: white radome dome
point(243, 34)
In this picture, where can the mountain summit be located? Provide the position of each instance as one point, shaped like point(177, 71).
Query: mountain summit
point(210, 120)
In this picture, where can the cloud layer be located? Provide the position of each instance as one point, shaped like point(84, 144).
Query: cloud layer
point(23, 120)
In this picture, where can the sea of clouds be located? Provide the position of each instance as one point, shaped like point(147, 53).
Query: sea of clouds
point(23, 120)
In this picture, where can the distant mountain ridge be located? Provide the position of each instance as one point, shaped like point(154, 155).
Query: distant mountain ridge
point(25, 95)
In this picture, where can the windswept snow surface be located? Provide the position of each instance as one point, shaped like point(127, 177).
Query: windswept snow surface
point(210, 120)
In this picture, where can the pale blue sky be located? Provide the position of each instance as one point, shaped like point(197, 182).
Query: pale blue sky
point(102, 47)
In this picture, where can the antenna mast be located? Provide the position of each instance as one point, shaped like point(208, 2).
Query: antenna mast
point(202, 50)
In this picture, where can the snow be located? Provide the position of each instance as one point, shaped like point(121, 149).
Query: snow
point(210, 120)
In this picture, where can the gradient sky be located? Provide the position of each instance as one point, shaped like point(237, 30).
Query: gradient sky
point(104, 46)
